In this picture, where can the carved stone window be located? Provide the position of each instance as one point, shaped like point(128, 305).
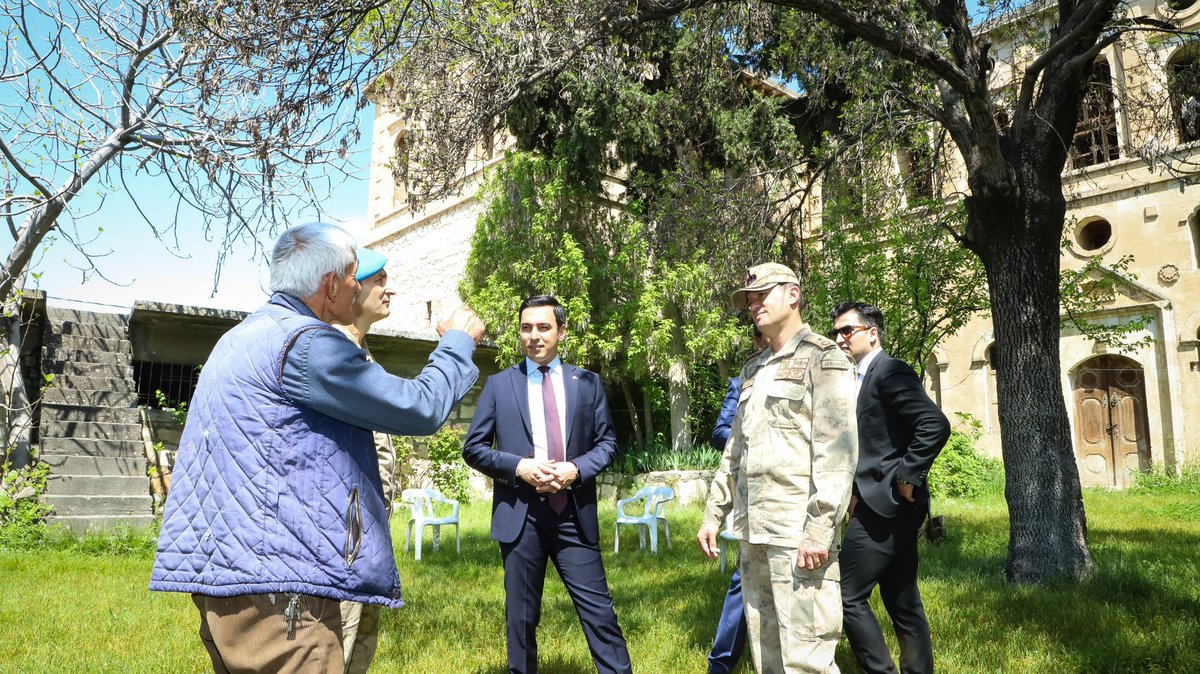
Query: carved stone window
point(1094, 235)
point(1096, 138)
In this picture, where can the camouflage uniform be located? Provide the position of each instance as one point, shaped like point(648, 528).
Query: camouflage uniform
point(786, 476)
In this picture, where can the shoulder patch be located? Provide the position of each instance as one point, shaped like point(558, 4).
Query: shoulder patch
point(836, 361)
point(820, 341)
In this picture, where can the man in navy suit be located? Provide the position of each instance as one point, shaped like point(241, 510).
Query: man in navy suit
point(543, 432)
point(900, 432)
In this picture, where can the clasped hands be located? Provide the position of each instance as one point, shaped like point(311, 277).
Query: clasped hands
point(548, 477)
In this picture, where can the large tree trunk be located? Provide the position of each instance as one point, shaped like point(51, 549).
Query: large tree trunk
point(639, 435)
point(1047, 523)
point(678, 387)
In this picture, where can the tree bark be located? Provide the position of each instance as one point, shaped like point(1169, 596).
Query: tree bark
point(638, 434)
point(678, 386)
point(1047, 523)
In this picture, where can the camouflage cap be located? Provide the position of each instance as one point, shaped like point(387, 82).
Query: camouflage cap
point(763, 277)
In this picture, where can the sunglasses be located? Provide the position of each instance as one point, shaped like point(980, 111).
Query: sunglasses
point(846, 331)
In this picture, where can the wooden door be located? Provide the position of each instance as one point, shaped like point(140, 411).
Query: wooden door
point(1112, 443)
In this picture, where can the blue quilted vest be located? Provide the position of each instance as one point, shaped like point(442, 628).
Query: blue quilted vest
point(267, 496)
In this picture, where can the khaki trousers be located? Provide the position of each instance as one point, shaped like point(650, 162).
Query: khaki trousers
point(360, 635)
point(793, 615)
point(249, 633)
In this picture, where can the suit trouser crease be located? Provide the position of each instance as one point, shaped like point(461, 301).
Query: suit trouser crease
point(793, 616)
point(553, 536)
point(730, 640)
point(884, 551)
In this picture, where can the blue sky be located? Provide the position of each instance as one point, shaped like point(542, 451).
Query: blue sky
point(143, 268)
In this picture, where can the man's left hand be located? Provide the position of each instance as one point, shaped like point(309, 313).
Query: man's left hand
point(811, 557)
point(905, 489)
point(565, 474)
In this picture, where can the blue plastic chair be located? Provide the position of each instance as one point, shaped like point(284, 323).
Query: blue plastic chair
point(421, 503)
point(726, 537)
point(653, 512)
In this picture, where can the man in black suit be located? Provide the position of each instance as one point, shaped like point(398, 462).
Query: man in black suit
point(543, 433)
point(900, 433)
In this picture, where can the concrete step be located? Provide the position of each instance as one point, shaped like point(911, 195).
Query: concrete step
point(90, 344)
point(84, 356)
point(84, 369)
point(74, 381)
point(91, 429)
point(101, 505)
point(74, 464)
point(68, 396)
point(97, 485)
point(59, 316)
point(81, 525)
point(93, 447)
point(52, 411)
point(74, 329)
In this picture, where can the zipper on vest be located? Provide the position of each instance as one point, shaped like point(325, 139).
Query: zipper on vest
point(354, 527)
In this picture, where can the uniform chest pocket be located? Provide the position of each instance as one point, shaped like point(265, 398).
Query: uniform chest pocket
point(787, 403)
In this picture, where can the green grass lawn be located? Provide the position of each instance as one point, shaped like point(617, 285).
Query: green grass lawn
point(67, 609)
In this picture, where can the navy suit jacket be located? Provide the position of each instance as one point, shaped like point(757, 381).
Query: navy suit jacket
point(900, 432)
point(500, 437)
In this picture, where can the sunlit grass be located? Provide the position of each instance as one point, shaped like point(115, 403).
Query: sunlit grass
point(86, 609)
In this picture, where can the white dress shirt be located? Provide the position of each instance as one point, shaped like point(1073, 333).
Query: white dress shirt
point(866, 363)
point(537, 416)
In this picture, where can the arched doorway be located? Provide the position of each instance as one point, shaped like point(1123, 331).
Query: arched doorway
point(1111, 440)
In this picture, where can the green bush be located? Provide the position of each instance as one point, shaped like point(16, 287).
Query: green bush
point(660, 456)
point(1159, 481)
point(447, 470)
point(22, 514)
point(961, 470)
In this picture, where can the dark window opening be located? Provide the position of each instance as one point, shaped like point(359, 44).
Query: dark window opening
point(1194, 230)
point(919, 172)
point(1177, 5)
point(1096, 134)
point(177, 381)
point(1183, 81)
point(1094, 235)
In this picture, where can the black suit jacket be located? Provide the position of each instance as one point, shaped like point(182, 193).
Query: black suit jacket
point(900, 432)
point(500, 437)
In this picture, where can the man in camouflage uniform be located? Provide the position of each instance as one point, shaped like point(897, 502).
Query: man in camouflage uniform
point(786, 475)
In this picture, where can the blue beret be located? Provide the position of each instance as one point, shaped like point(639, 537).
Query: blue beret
point(370, 263)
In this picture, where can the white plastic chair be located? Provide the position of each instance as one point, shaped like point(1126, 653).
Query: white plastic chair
point(653, 512)
point(421, 503)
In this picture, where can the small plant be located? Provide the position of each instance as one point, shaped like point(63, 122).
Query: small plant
point(178, 411)
point(22, 514)
point(961, 470)
point(660, 456)
point(448, 472)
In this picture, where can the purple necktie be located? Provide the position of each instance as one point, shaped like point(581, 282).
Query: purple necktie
point(554, 436)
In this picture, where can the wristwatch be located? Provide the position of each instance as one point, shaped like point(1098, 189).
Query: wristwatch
point(900, 482)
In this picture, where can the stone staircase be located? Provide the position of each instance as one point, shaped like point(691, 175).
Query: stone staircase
point(91, 433)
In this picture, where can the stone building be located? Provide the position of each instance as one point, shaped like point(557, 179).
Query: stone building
point(1129, 194)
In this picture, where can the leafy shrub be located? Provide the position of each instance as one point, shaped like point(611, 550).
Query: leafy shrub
point(22, 514)
point(446, 468)
point(660, 456)
point(1159, 481)
point(961, 470)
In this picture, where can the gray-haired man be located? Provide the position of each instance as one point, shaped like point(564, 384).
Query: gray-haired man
point(275, 512)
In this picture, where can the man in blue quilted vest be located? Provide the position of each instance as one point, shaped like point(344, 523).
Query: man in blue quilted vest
point(276, 511)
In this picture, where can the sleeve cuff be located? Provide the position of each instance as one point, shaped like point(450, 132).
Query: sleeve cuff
point(818, 534)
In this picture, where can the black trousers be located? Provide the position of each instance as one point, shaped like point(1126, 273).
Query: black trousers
point(555, 537)
point(883, 551)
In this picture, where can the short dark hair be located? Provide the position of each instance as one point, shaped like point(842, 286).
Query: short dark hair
point(870, 315)
point(560, 312)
